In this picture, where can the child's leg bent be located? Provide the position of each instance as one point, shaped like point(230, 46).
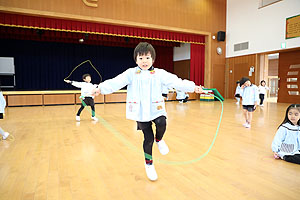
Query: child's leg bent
point(93, 111)
point(90, 102)
point(292, 159)
point(160, 124)
point(80, 110)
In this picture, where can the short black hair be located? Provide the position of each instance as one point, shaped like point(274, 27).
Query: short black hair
point(244, 80)
point(85, 75)
point(263, 81)
point(142, 49)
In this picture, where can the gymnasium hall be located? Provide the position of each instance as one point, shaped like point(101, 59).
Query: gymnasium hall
point(72, 83)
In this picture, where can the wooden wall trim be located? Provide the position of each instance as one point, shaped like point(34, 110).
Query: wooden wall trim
point(98, 20)
point(41, 99)
point(208, 63)
point(240, 67)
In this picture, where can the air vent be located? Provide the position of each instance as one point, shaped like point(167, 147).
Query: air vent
point(241, 46)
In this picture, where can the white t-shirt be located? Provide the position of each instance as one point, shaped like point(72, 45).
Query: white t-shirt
point(263, 89)
point(86, 88)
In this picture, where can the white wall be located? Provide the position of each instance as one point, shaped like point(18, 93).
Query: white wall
point(264, 28)
point(183, 52)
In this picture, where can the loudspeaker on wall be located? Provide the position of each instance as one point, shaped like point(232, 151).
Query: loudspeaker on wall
point(221, 36)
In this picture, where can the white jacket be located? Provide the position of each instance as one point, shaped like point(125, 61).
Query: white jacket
point(144, 88)
point(250, 95)
point(238, 90)
point(181, 95)
point(286, 140)
point(2, 103)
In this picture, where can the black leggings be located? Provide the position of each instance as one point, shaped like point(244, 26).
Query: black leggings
point(293, 159)
point(146, 127)
point(262, 97)
point(89, 101)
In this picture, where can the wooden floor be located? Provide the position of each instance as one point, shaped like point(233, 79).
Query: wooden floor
point(53, 157)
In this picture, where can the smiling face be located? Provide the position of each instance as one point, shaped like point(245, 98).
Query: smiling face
point(144, 61)
point(294, 115)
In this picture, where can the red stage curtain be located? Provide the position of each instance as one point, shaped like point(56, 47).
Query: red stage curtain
point(164, 58)
point(32, 22)
point(60, 30)
point(197, 63)
point(70, 37)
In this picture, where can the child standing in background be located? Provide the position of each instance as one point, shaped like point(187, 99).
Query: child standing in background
point(237, 94)
point(87, 89)
point(181, 96)
point(250, 99)
point(262, 88)
point(286, 143)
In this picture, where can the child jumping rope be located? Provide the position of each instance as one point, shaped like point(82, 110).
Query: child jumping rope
point(87, 93)
point(286, 143)
point(250, 99)
point(145, 103)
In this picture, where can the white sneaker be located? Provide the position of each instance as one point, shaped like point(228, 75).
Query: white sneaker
point(237, 103)
point(261, 105)
point(163, 147)
point(77, 118)
point(248, 126)
point(150, 171)
point(6, 134)
point(95, 118)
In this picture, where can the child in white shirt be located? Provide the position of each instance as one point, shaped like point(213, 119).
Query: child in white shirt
point(87, 89)
point(181, 96)
point(237, 94)
point(262, 88)
point(145, 103)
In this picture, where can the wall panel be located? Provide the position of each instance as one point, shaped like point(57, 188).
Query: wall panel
point(24, 100)
point(289, 68)
point(238, 67)
point(182, 69)
point(273, 67)
point(218, 71)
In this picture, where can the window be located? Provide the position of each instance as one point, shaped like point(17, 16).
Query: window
point(264, 3)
